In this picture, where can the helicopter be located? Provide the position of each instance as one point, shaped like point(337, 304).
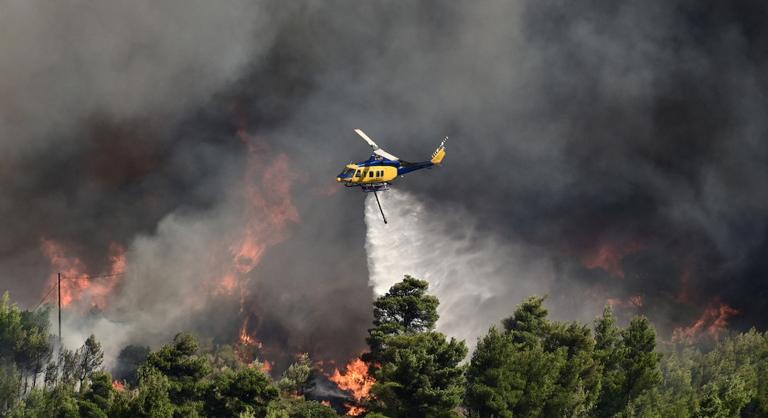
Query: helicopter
point(382, 168)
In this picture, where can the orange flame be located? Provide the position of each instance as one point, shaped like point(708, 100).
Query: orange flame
point(355, 380)
point(227, 285)
point(266, 367)
point(609, 257)
point(245, 338)
point(632, 302)
point(76, 284)
point(118, 385)
point(713, 322)
point(355, 411)
point(268, 210)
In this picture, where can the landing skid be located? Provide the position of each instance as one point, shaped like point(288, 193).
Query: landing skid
point(374, 187)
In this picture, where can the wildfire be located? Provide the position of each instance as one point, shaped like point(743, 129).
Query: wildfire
point(118, 385)
point(635, 302)
point(266, 367)
point(227, 285)
point(609, 257)
point(712, 322)
point(245, 338)
point(355, 380)
point(268, 210)
point(355, 411)
point(76, 284)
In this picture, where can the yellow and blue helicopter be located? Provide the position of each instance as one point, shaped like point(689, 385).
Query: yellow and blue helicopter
point(382, 168)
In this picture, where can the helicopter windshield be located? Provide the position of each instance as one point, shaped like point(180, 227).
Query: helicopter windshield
point(347, 173)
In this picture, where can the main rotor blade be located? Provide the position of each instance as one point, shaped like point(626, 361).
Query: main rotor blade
point(376, 149)
point(385, 154)
point(365, 137)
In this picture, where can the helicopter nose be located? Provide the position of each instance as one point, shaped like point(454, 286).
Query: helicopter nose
point(338, 179)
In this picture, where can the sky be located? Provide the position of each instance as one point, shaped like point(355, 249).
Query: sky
point(600, 152)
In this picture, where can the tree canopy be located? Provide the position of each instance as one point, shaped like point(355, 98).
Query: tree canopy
point(526, 365)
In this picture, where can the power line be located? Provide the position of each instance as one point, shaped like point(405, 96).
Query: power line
point(53, 286)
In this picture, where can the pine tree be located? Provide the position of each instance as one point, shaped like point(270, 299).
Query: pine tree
point(417, 370)
point(90, 357)
point(294, 379)
point(535, 368)
point(235, 393)
point(406, 308)
point(185, 371)
point(154, 395)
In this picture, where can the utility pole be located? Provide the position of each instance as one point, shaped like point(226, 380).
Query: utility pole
point(59, 284)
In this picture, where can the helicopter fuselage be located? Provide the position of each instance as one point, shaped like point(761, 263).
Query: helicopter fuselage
point(377, 171)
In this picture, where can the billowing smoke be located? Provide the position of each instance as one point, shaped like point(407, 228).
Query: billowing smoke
point(478, 279)
point(600, 152)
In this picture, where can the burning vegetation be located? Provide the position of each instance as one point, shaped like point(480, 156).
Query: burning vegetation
point(356, 380)
point(678, 204)
point(713, 323)
point(532, 362)
point(77, 285)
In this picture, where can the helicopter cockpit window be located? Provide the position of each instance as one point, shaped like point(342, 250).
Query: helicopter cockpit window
point(347, 173)
point(357, 173)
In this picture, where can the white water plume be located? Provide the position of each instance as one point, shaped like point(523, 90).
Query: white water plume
point(479, 278)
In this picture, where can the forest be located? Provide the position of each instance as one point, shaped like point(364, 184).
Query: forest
point(527, 366)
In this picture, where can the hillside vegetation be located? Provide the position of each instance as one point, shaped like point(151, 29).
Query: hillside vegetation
point(528, 366)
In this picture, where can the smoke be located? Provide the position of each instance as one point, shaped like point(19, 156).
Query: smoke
point(69, 61)
point(600, 152)
point(478, 279)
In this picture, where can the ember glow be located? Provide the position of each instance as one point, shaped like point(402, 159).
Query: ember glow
point(77, 285)
point(269, 211)
point(354, 379)
point(118, 385)
point(266, 367)
point(247, 339)
point(609, 257)
point(713, 322)
point(632, 302)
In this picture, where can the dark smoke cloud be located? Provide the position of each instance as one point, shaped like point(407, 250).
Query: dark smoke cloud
point(573, 127)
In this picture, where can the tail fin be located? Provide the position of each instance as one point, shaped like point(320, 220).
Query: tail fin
point(439, 154)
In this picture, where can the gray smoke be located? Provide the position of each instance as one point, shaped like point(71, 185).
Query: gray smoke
point(638, 127)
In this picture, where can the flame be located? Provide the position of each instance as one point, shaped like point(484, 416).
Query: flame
point(118, 385)
point(354, 411)
point(245, 338)
point(268, 211)
point(227, 285)
point(266, 367)
point(633, 302)
point(609, 257)
point(76, 284)
point(713, 322)
point(355, 380)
